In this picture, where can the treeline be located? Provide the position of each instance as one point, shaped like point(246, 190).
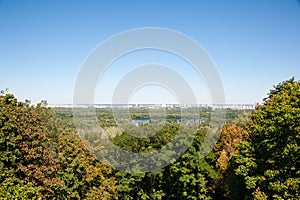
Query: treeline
point(256, 156)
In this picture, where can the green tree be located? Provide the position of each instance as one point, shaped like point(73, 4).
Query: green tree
point(187, 178)
point(83, 176)
point(268, 164)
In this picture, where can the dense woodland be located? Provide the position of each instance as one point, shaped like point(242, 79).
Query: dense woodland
point(256, 156)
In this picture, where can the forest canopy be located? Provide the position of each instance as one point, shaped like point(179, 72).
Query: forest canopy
point(256, 156)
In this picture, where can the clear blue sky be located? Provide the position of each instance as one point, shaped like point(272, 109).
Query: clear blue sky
point(254, 44)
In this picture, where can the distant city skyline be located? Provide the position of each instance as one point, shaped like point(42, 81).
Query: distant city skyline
point(224, 106)
point(254, 45)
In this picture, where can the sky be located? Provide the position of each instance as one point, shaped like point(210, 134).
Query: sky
point(43, 44)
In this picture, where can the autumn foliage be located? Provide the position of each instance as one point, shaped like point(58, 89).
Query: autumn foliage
point(41, 158)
